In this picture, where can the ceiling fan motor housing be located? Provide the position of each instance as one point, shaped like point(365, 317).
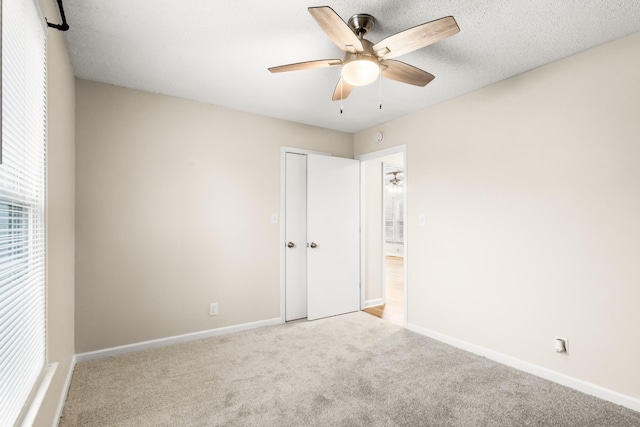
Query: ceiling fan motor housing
point(361, 23)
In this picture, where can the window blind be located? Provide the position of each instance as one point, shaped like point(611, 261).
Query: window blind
point(22, 206)
point(394, 219)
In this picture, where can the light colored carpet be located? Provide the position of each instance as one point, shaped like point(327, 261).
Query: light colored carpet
point(349, 370)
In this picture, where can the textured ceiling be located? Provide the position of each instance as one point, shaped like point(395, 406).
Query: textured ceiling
point(218, 51)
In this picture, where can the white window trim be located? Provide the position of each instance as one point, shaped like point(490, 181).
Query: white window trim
point(32, 404)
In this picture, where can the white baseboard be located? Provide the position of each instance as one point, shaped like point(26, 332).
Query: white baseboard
point(130, 348)
point(65, 392)
point(373, 303)
point(539, 371)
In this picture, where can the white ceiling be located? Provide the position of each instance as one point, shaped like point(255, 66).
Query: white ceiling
point(218, 51)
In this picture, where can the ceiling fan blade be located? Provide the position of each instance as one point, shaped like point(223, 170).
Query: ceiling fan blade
point(342, 91)
point(308, 65)
point(416, 38)
point(405, 73)
point(337, 30)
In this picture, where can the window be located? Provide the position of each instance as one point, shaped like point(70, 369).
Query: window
point(22, 207)
point(393, 219)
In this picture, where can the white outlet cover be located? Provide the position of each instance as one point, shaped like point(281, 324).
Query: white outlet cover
point(561, 345)
point(213, 309)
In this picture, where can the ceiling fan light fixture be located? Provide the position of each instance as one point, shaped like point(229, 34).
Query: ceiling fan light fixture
point(362, 71)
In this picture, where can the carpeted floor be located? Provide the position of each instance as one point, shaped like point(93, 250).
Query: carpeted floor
point(351, 370)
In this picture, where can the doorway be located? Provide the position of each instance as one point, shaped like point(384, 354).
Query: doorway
point(384, 254)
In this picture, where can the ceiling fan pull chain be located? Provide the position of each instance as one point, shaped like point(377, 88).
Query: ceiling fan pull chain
point(341, 83)
point(380, 90)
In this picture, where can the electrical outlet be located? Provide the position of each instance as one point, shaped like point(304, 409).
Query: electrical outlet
point(562, 345)
point(213, 309)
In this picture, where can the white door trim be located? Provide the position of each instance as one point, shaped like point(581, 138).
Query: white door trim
point(382, 153)
point(283, 151)
point(377, 155)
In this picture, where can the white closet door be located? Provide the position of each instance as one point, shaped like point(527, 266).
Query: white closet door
point(333, 227)
point(295, 236)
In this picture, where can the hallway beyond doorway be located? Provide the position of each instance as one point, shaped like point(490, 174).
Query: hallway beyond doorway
point(392, 310)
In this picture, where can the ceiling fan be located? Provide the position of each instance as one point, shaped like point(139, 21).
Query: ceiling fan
point(395, 180)
point(364, 61)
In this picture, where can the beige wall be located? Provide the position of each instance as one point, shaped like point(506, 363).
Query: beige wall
point(174, 203)
point(60, 214)
point(531, 189)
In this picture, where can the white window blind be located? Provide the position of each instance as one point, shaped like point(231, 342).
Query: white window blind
point(22, 206)
point(394, 219)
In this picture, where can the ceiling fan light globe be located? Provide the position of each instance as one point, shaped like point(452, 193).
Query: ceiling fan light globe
point(361, 72)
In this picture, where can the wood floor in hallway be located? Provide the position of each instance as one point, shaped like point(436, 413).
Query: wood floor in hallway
point(393, 309)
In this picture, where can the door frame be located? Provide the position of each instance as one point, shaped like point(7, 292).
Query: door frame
point(371, 156)
point(283, 219)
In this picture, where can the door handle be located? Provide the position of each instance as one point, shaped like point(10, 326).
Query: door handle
point(313, 245)
point(291, 245)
